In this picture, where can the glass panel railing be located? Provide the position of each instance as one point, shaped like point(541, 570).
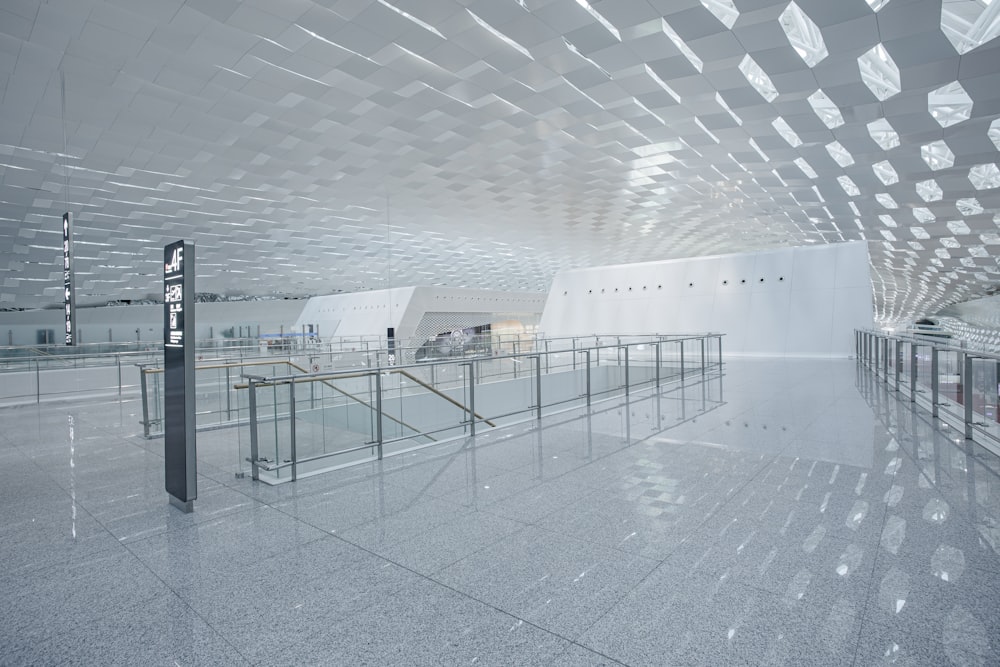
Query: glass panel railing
point(954, 383)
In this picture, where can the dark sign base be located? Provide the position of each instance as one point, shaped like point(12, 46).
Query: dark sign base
point(186, 506)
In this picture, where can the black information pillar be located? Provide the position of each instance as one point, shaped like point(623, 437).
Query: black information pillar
point(390, 337)
point(69, 296)
point(180, 449)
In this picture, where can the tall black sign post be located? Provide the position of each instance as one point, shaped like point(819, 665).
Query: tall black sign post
point(180, 449)
point(69, 295)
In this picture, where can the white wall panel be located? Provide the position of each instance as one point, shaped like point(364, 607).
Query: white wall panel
point(795, 301)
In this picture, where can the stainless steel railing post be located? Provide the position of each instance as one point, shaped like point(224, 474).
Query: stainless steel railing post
point(587, 357)
point(935, 381)
point(681, 343)
point(145, 401)
point(702, 341)
point(658, 356)
point(254, 469)
point(897, 360)
point(626, 371)
point(291, 429)
point(538, 384)
point(967, 395)
point(913, 372)
point(472, 401)
point(378, 412)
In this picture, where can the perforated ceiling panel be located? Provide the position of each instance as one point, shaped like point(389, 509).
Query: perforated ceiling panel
point(310, 147)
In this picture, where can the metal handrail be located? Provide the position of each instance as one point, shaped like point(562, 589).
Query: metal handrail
point(536, 407)
point(876, 356)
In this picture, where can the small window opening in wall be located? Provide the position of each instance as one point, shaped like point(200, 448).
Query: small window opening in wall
point(781, 279)
point(616, 289)
point(659, 287)
point(590, 291)
point(565, 292)
point(602, 290)
point(725, 282)
point(761, 280)
point(629, 289)
point(690, 284)
point(743, 282)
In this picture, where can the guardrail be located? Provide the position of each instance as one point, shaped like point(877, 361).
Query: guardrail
point(299, 422)
point(954, 383)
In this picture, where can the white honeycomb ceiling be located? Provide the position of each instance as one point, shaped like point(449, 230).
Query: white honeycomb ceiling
point(315, 146)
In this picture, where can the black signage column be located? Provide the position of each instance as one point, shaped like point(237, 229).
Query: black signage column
point(69, 296)
point(180, 449)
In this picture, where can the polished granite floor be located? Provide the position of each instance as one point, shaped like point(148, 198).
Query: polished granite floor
point(790, 512)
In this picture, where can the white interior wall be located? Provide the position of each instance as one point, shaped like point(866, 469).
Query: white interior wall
point(371, 313)
point(803, 301)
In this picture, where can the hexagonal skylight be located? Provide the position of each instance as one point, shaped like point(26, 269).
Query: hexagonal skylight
point(969, 206)
point(949, 104)
point(923, 214)
point(886, 200)
point(958, 228)
point(985, 176)
point(806, 168)
point(724, 10)
point(758, 78)
point(681, 45)
point(827, 111)
point(882, 134)
point(840, 154)
point(994, 131)
point(786, 132)
point(970, 23)
point(885, 172)
point(849, 186)
point(929, 190)
point(804, 35)
point(879, 72)
point(877, 4)
point(937, 155)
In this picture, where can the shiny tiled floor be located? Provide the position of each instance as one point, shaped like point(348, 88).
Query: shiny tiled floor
point(792, 512)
